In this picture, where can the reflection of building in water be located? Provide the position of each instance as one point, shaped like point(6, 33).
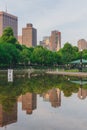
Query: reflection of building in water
point(82, 93)
point(29, 102)
point(8, 117)
point(46, 96)
point(20, 98)
point(54, 96)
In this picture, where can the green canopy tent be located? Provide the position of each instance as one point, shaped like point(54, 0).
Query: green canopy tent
point(78, 61)
point(79, 64)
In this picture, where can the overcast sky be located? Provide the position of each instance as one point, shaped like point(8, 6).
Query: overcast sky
point(67, 16)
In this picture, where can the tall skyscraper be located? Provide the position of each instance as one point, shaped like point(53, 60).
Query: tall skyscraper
point(29, 36)
point(82, 44)
point(6, 20)
point(55, 40)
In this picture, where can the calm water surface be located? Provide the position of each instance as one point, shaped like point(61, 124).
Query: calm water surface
point(43, 102)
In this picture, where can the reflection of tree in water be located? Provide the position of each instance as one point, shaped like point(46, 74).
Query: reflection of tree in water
point(68, 89)
point(37, 84)
point(82, 86)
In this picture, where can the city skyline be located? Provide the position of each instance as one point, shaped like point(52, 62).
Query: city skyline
point(69, 17)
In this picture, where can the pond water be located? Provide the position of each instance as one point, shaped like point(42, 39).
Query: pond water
point(43, 102)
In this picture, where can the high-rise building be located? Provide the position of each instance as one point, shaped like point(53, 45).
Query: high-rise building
point(55, 40)
point(82, 44)
point(45, 42)
point(10, 20)
point(29, 36)
point(52, 42)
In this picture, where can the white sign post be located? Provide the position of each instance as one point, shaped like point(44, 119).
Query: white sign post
point(10, 75)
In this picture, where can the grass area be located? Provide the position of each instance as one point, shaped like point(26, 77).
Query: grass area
point(67, 70)
point(72, 70)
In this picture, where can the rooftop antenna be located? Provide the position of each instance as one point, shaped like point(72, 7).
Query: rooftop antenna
point(6, 7)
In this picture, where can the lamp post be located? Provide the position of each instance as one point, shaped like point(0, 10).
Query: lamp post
point(81, 60)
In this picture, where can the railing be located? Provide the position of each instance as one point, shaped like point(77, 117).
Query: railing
point(71, 68)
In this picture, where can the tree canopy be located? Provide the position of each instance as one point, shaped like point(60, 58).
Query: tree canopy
point(11, 52)
point(68, 53)
point(8, 36)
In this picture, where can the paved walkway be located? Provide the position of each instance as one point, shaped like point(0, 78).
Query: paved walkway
point(79, 74)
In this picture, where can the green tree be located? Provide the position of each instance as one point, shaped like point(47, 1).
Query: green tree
point(9, 54)
point(25, 56)
point(68, 53)
point(39, 55)
point(5, 57)
point(49, 58)
point(44, 56)
point(84, 54)
point(8, 36)
point(56, 58)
